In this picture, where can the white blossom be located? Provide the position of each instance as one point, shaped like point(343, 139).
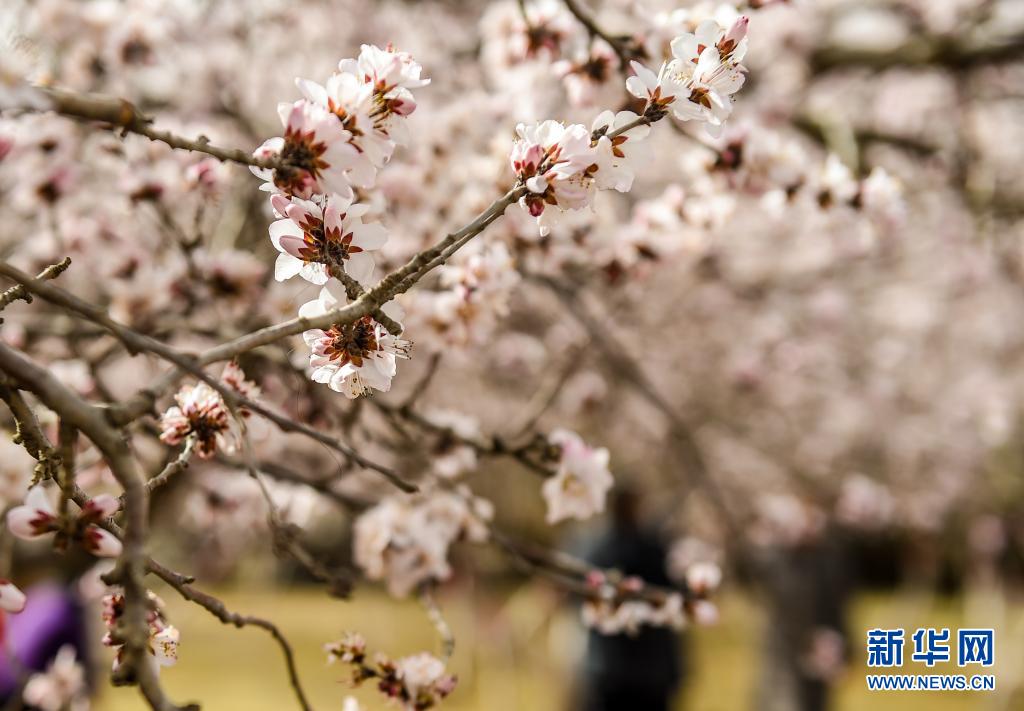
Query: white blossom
point(614, 169)
point(579, 488)
point(353, 358)
point(317, 151)
point(315, 235)
point(405, 540)
point(556, 163)
point(62, 687)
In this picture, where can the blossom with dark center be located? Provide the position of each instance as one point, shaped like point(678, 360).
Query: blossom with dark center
point(315, 236)
point(315, 152)
point(353, 358)
point(351, 100)
point(556, 164)
point(391, 75)
point(200, 413)
point(656, 89)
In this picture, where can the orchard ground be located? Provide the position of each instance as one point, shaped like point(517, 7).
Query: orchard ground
point(514, 652)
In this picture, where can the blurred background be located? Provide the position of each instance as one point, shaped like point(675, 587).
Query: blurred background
point(801, 340)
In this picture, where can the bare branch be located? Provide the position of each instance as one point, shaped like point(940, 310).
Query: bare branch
point(122, 114)
point(29, 434)
point(623, 45)
point(183, 585)
point(175, 467)
point(20, 292)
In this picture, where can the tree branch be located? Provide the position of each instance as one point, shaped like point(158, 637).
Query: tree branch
point(130, 569)
point(137, 342)
point(122, 114)
point(20, 292)
point(623, 45)
point(183, 585)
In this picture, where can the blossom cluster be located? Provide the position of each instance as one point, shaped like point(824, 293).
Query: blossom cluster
point(38, 516)
point(405, 540)
point(163, 637)
point(416, 682)
point(62, 686)
point(202, 415)
point(336, 138)
point(697, 84)
point(623, 605)
point(563, 166)
point(771, 265)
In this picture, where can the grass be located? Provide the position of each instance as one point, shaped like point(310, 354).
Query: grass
point(514, 653)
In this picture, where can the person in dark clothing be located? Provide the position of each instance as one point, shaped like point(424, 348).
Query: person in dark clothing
point(641, 672)
point(808, 587)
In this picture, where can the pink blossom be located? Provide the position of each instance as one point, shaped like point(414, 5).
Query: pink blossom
point(36, 517)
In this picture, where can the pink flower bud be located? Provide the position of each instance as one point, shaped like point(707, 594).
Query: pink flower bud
point(101, 543)
point(35, 518)
point(100, 507)
point(738, 30)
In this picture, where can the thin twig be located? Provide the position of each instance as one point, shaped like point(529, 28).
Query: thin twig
point(29, 434)
point(123, 115)
point(175, 467)
point(20, 292)
point(622, 45)
point(183, 585)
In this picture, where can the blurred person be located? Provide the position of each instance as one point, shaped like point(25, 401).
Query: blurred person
point(806, 648)
point(630, 672)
